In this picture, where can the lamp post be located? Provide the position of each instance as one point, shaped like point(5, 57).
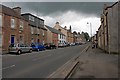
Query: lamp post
point(90, 28)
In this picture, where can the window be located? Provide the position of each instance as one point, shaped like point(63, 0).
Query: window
point(21, 25)
point(41, 22)
point(38, 30)
point(0, 40)
point(0, 20)
point(31, 18)
point(32, 30)
point(60, 36)
point(43, 32)
point(12, 23)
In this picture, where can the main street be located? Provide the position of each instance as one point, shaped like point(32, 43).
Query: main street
point(37, 64)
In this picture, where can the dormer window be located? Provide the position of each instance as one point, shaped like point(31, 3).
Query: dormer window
point(31, 18)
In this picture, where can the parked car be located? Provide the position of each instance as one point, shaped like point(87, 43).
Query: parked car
point(61, 45)
point(72, 44)
point(37, 46)
point(50, 46)
point(67, 44)
point(19, 48)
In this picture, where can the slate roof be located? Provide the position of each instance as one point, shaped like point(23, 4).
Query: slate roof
point(36, 22)
point(54, 30)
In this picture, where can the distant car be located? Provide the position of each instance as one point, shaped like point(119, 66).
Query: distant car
point(19, 48)
point(62, 45)
point(77, 43)
point(67, 44)
point(50, 46)
point(72, 44)
point(37, 46)
point(81, 43)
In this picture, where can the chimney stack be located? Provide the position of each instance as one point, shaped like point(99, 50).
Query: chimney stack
point(17, 9)
point(70, 28)
point(65, 27)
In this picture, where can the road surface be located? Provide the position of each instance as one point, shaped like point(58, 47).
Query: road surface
point(37, 64)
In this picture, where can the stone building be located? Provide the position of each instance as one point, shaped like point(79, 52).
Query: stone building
point(108, 31)
point(13, 27)
point(61, 29)
point(112, 24)
point(75, 36)
point(38, 31)
point(69, 35)
point(80, 37)
point(54, 36)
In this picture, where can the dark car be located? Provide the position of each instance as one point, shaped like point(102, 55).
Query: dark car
point(50, 46)
point(37, 46)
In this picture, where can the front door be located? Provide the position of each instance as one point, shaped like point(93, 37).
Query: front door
point(12, 39)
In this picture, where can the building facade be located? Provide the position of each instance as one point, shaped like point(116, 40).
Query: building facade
point(69, 35)
point(54, 36)
point(38, 32)
point(61, 29)
point(108, 31)
point(75, 36)
point(13, 27)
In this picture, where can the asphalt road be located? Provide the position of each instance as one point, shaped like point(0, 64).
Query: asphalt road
point(37, 64)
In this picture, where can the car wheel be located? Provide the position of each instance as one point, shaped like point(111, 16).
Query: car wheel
point(19, 52)
point(38, 50)
point(30, 50)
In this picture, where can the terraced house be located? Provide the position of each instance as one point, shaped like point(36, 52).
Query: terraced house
point(61, 29)
point(38, 31)
point(13, 26)
point(54, 36)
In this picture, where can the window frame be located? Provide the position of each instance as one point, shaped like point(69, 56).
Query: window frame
point(21, 26)
point(13, 23)
point(1, 20)
point(32, 30)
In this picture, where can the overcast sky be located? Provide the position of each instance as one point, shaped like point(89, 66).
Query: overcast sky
point(76, 14)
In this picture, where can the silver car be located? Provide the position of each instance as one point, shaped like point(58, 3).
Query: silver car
point(19, 48)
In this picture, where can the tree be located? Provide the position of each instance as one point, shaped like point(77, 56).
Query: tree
point(86, 35)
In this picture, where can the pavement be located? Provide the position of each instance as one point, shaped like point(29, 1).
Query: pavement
point(95, 63)
point(37, 64)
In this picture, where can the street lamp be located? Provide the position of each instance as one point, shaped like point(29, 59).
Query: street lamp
point(90, 28)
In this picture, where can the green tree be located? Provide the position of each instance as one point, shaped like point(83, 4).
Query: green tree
point(86, 35)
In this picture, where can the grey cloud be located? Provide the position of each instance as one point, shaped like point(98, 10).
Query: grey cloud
point(49, 8)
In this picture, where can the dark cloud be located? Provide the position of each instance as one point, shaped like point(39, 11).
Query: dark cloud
point(48, 8)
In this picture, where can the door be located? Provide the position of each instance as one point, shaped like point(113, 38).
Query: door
point(12, 39)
